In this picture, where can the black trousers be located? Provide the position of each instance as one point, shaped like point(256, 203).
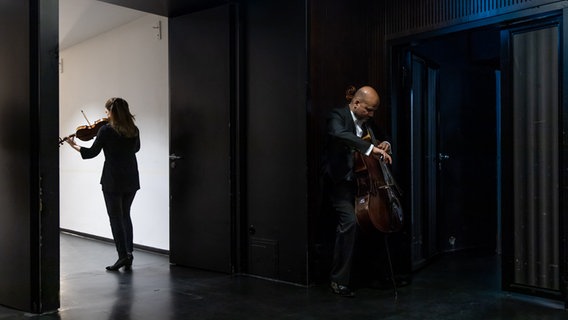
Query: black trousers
point(342, 198)
point(118, 208)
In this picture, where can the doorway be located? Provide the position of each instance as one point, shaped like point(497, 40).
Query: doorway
point(112, 51)
point(453, 137)
point(186, 204)
point(480, 105)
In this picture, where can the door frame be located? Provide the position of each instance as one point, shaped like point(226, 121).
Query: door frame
point(424, 150)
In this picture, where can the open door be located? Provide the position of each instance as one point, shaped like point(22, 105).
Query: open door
point(534, 200)
point(202, 104)
point(451, 121)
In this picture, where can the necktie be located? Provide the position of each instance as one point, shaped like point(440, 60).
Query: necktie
point(365, 135)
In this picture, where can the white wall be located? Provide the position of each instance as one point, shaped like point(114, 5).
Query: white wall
point(129, 62)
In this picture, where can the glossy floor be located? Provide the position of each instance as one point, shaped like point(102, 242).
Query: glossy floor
point(455, 287)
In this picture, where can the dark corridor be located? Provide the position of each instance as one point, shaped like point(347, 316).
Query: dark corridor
point(455, 112)
point(480, 118)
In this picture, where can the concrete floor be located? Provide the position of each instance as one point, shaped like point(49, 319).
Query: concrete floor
point(456, 286)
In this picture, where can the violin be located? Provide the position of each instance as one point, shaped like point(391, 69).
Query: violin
point(86, 132)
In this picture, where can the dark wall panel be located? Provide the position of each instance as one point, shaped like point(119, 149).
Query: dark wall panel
point(408, 16)
point(339, 53)
point(29, 186)
point(15, 220)
point(276, 179)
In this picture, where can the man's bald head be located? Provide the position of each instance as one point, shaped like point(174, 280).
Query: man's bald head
point(365, 102)
point(369, 95)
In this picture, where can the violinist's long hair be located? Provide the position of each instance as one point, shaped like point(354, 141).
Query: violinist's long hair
point(121, 119)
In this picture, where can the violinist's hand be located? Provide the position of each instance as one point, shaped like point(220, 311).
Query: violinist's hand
point(379, 153)
point(71, 141)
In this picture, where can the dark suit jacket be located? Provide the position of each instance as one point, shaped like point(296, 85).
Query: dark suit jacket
point(342, 141)
point(120, 170)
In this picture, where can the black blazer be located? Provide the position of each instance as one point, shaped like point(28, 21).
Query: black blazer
point(342, 142)
point(120, 170)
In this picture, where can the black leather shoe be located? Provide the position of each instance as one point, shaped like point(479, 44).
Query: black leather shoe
point(125, 262)
point(341, 290)
point(128, 265)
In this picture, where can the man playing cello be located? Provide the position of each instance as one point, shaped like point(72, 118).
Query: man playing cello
point(346, 129)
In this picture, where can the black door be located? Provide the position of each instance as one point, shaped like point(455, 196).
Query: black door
point(533, 165)
point(202, 95)
point(424, 163)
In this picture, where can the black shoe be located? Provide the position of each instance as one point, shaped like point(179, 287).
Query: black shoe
point(341, 290)
point(128, 265)
point(125, 262)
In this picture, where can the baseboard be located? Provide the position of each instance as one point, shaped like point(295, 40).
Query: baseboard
point(103, 239)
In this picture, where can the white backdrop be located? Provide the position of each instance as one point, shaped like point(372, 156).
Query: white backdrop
point(129, 62)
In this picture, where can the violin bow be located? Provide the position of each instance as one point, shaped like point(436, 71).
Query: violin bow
point(88, 122)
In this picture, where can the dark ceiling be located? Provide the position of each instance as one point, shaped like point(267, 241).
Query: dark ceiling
point(168, 8)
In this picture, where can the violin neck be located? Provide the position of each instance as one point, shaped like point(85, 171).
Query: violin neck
point(65, 139)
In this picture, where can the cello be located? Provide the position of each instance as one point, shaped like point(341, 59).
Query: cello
point(377, 204)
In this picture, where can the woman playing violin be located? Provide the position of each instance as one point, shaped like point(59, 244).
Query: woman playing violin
point(119, 140)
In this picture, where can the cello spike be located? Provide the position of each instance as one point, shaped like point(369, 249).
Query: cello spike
point(391, 269)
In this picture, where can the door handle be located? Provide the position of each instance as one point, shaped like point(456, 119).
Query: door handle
point(442, 157)
point(175, 157)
